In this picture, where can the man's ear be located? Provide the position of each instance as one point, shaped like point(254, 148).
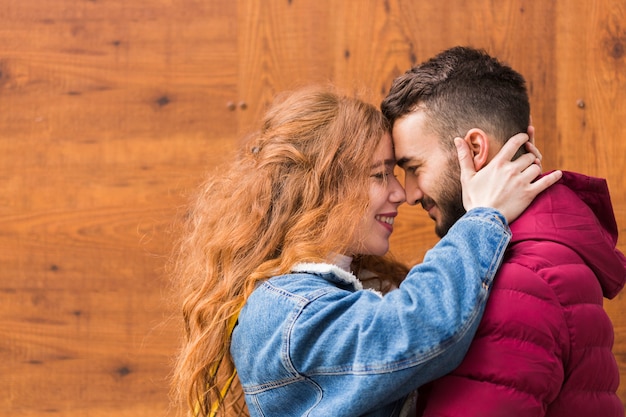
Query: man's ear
point(479, 146)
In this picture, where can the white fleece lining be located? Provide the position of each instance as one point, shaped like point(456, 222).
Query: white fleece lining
point(323, 268)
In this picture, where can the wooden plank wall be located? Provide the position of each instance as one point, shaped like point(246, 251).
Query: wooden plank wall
point(111, 111)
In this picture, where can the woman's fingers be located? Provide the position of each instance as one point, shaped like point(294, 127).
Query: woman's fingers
point(506, 185)
point(511, 147)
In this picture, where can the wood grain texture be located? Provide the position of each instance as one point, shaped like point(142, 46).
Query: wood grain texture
point(591, 108)
point(111, 112)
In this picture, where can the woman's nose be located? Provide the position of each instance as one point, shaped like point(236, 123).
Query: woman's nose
point(398, 194)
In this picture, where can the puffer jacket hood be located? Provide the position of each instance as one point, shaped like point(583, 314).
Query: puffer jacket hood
point(590, 230)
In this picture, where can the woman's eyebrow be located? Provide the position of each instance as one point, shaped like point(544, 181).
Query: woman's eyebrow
point(386, 162)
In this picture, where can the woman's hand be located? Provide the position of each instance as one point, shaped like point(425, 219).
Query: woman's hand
point(508, 186)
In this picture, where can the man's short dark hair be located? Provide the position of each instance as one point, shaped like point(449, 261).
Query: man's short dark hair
point(459, 89)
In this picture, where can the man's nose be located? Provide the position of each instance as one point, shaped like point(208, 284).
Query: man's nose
point(413, 193)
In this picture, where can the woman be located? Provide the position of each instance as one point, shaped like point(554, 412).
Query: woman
point(273, 249)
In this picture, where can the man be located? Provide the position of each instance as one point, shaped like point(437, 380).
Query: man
point(543, 347)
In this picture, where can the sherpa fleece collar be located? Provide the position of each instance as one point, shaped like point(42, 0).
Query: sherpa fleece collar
point(324, 268)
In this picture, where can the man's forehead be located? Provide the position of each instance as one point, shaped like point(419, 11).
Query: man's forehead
point(413, 140)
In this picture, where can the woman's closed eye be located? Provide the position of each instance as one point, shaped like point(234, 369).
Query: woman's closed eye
point(380, 175)
point(384, 175)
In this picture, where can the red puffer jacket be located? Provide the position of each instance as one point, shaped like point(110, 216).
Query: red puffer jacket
point(544, 345)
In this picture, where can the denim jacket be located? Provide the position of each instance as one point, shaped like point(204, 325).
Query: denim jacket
point(314, 343)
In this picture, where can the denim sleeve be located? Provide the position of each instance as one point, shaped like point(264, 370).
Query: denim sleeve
point(414, 334)
point(449, 290)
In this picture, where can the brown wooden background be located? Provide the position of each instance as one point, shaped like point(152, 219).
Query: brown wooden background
point(111, 111)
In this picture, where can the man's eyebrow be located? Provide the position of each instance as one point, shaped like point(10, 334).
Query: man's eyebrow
point(402, 162)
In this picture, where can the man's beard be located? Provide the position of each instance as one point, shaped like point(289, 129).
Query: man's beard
point(450, 198)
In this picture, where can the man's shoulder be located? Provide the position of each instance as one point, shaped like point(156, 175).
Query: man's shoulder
point(543, 268)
